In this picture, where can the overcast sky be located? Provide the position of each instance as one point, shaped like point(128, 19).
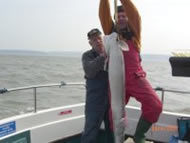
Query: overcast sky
point(61, 25)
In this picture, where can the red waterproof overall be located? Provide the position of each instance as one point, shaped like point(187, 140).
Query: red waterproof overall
point(138, 87)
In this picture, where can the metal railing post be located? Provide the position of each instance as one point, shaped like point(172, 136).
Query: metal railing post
point(162, 96)
point(35, 100)
point(162, 90)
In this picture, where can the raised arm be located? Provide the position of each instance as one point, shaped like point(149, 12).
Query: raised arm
point(105, 17)
point(134, 19)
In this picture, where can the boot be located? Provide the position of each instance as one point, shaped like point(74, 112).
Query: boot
point(142, 127)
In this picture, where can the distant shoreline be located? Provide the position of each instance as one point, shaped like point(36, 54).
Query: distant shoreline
point(71, 54)
point(40, 53)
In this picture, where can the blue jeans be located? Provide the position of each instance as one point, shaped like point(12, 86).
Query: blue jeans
point(92, 127)
point(96, 111)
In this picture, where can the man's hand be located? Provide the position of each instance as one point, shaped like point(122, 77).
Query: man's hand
point(103, 54)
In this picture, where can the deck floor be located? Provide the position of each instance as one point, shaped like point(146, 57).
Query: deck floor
point(130, 140)
point(101, 139)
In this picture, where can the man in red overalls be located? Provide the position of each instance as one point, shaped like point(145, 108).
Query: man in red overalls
point(128, 28)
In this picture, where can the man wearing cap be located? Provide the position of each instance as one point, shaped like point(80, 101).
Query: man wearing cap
point(128, 30)
point(97, 105)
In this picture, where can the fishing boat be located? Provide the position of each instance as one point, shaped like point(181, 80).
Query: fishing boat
point(65, 124)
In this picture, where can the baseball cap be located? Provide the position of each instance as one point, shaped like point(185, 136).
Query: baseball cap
point(93, 32)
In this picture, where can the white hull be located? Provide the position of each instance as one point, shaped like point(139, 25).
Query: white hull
point(58, 123)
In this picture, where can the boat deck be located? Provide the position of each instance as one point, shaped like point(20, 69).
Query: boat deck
point(130, 140)
point(101, 139)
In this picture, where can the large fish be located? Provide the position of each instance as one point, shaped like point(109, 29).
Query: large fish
point(116, 71)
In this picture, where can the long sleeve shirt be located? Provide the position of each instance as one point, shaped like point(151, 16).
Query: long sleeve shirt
point(134, 19)
point(93, 64)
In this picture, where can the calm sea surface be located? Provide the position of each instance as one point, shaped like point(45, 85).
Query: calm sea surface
point(20, 71)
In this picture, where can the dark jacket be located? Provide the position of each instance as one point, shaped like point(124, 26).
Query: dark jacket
point(93, 64)
point(96, 79)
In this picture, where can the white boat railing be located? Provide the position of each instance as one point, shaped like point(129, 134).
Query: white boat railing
point(62, 83)
point(162, 90)
point(35, 87)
